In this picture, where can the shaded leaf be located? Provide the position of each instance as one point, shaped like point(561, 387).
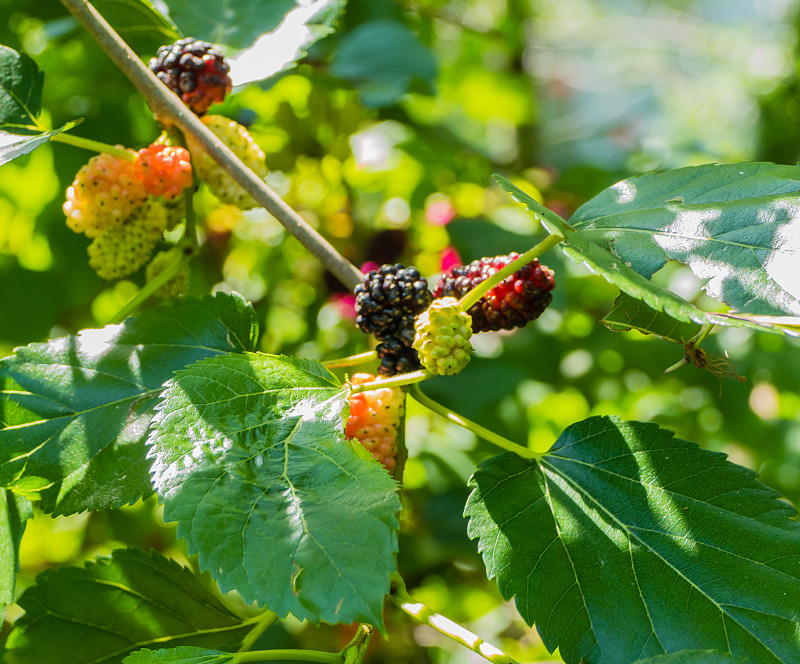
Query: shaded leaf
point(75, 410)
point(139, 23)
point(14, 513)
point(631, 314)
point(183, 655)
point(694, 657)
point(15, 145)
point(20, 90)
point(599, 260)
point(101, 612)
point(235, 23)
point(384, 60)
point(250, 460)
point(737, 225)
point(621, 524)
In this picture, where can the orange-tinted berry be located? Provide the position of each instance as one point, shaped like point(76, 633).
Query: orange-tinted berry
point(164, 170)
point(375, 418)
point(105, 193)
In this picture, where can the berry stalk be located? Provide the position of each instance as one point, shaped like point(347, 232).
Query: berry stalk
point(477, 429)
point(351, 360)
point(395, 381)
point(170, 110)
point(485, 286)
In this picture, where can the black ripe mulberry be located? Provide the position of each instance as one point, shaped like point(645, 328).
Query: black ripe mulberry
point(519, 298)
point(388, 300)
point(195, 71)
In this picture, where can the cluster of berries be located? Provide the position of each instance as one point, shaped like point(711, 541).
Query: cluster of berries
point(390, 300)
point(375, 418)
point(387, 302)
point(125, 201)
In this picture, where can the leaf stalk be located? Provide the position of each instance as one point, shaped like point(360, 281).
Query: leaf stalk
point(477, 429)
point(93, 146)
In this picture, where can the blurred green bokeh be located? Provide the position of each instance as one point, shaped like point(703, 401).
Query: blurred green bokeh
point(564, 97)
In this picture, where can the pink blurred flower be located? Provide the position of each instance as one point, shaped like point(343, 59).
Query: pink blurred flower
point(369, 265)
point(450, 258)
point(440, 213)
point(345, 304)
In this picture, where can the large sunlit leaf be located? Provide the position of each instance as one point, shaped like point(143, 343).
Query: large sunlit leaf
point(736, 225)
point(282, 47)
point(14, 513)
point(75, 410)
point(20, 90)
point(190, 655)
point(236, 23)
point(139, 23)
point(384, 60)
point(579, 246)
point(624, 542)
point(250, 459)
point(101, 612)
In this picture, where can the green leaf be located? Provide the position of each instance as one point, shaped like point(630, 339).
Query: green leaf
point(281, 48)
point(599, 260)
point(736, 225)
point(694, 657)
point(632, 314)
point(101, 612)
point(183, 655)
point(250, 459)
point(235, 23)
point(384, 60)
point(14, 513)
point(624, 542)
point(139, 23)
point(20, 90)
point(15, 145)
point(75, 410)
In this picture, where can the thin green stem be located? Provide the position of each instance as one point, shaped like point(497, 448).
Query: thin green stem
point(289, 655)
point(170, 110)
point(264, 622)
point(485, 286)
point(477, 429)
point(147, 291)
point(351, 360)
point(188, 246)
point(443, 625)
point(94, 146)
point(700, 338)
point(355, 651)
point(395, 381)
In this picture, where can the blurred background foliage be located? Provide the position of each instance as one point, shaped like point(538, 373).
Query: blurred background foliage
point(385, 138)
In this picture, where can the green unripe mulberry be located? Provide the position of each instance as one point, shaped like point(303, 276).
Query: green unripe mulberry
point(442, 338)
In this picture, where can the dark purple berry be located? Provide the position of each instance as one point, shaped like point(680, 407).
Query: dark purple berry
point(519, 298)
point(195, 71)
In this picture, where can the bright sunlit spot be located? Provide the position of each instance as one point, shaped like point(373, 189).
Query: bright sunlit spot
point(275, 50)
